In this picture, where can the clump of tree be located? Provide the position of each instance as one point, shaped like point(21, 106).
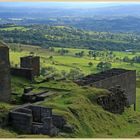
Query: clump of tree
point(51, 49)
point(79, 54)
point(51, 57)
point(93, 54)
point(52, 73)
point(126, 59)
point(90, 64)
point(136, 59)
point(75, 73)
point(63, 51)
point(103, 66)
point(47, 70)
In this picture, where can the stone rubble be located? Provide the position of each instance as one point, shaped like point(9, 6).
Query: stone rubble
point(114, 102)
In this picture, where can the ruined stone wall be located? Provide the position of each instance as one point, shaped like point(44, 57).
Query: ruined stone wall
point(40, 112)
point(23, 72)
point(32, 119)
point(36, 119)
point(32, 62)
point(21, 121)
point(5, 83)
point(127, 81)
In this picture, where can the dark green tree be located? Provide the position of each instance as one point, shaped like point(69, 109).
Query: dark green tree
point(103, 66)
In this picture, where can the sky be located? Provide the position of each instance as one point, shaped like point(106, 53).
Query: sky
point(65, 4)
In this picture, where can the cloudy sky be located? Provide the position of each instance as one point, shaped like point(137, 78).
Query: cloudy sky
point(65, 4)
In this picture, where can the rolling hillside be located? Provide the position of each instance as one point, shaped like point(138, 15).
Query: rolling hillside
point(68, 37)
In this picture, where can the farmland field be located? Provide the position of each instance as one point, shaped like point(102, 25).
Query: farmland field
point(69, 60)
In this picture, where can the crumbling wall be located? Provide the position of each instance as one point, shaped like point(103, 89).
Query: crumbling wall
point(36, 120)
point(21, 121)
point(29, 96)
point(32, 62)
point(40, 112)
point(5, 83)
point(125, 78)
point(23, 72)
point(32, 119)
point(127, 81)
point(29, 67)
point(114, 102)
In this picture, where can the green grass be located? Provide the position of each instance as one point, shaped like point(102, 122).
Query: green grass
point(15, 56)
point(69, 61)
point(6, 133)
point(14, 28)
point(18, 84)
point(80, 109)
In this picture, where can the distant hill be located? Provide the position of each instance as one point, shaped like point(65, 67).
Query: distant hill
point(68, 37)
point(61, 10)
point(120, 18)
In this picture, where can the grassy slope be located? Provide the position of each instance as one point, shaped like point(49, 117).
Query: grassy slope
point(79, 107)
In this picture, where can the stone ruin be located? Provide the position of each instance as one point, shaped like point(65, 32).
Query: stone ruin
point(31, 62)
point(5, 84)
point(31, 97)
point(33, 119)
point(23, 72)
point(110, 78)
point(29, 67)
point(28, 119)
point(115, 101)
